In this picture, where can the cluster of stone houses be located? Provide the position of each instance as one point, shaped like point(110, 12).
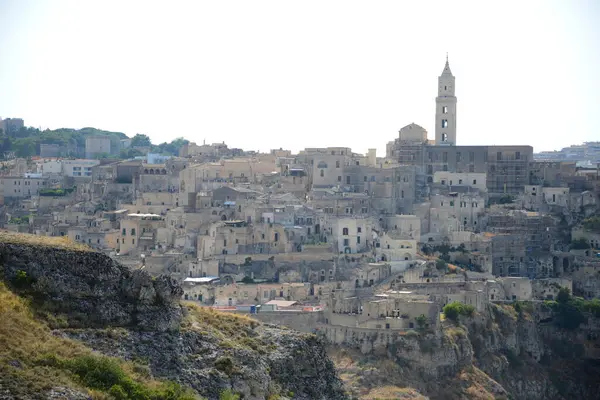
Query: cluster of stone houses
point(379, 241)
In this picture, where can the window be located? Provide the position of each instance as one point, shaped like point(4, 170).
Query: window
point(358, 239)
point(132, 241)
point(132, 231)
point(124, 232)
point(458, 156)
point(445, 110)
point(347, 180)
point(445, 156)
point(499, 156)
point(359, 229)
point(460, 181)
point(451, 203)
point(337, 164)
point(444, 123)
point(445, 168)
point(402, 194)
point(345, 231)
point(444, 137)
point(365, 178)
point(474, 181)
point(339, 178)
point(471, 168)
point(346, 242)
point(322, 173)
point(224, 242)
point(518, 155)
point(471, 156)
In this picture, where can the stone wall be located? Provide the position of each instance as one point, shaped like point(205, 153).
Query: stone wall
point(300, 321)
point(292, 257)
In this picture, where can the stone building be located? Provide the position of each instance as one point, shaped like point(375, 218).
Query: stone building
point(96, 145)
point(506, 167)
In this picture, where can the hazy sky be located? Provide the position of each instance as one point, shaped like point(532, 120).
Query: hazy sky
point(270, 74)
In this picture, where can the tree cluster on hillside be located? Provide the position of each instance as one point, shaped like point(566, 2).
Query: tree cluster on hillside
point(26, 142)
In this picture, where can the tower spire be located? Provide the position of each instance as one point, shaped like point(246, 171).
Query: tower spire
point(445, 115)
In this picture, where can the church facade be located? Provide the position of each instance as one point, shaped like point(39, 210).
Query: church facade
point(506, 167)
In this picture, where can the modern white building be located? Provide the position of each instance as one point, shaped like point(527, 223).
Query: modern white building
point(78, 168)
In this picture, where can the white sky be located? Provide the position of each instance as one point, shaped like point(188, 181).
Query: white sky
point(270, 74)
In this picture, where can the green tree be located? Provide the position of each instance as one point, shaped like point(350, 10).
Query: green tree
point(580, 244)
point(140, 140)
point(564, 295)
point(506, 199)
point(170, 148)
point(129, 153)
point(421, 321)
point(441, 264)
point(455, 309)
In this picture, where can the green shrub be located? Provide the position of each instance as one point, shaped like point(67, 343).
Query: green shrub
point(97, 372)
point(228, 395)
point(455, 309)
point(22, 280)
point(225, 365)
point(580, 244)
point(421, 321)
point(441, 264)
point(568, 310)
point(107, 375)
point(518, 307)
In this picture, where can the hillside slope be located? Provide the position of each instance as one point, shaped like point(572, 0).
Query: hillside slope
point(86, 317)
point(499, 353)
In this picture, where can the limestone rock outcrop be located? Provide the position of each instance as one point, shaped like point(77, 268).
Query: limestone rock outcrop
point(132, 316)
point(91, 289)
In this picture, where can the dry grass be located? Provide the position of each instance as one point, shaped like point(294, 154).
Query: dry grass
point(61, 242)
point(231, 329)
point(454, 332)
point(26, 346)
point(478, 386)
point(393, 392)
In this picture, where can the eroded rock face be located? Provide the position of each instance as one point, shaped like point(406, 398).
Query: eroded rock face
point(128, 314)
point(533, 360)
point(291, 364)
point(91, 289)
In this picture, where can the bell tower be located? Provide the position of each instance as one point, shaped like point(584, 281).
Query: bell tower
point(445, 108)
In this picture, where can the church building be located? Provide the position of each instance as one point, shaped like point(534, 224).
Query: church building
point(506, 167)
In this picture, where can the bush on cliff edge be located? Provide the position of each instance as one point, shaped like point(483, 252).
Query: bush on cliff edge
point(455, 309)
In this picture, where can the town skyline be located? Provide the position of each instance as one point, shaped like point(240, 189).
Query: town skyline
point(354, 83)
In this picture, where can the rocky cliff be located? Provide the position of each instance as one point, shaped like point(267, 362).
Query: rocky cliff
point(91, 314)
point(498, 353)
